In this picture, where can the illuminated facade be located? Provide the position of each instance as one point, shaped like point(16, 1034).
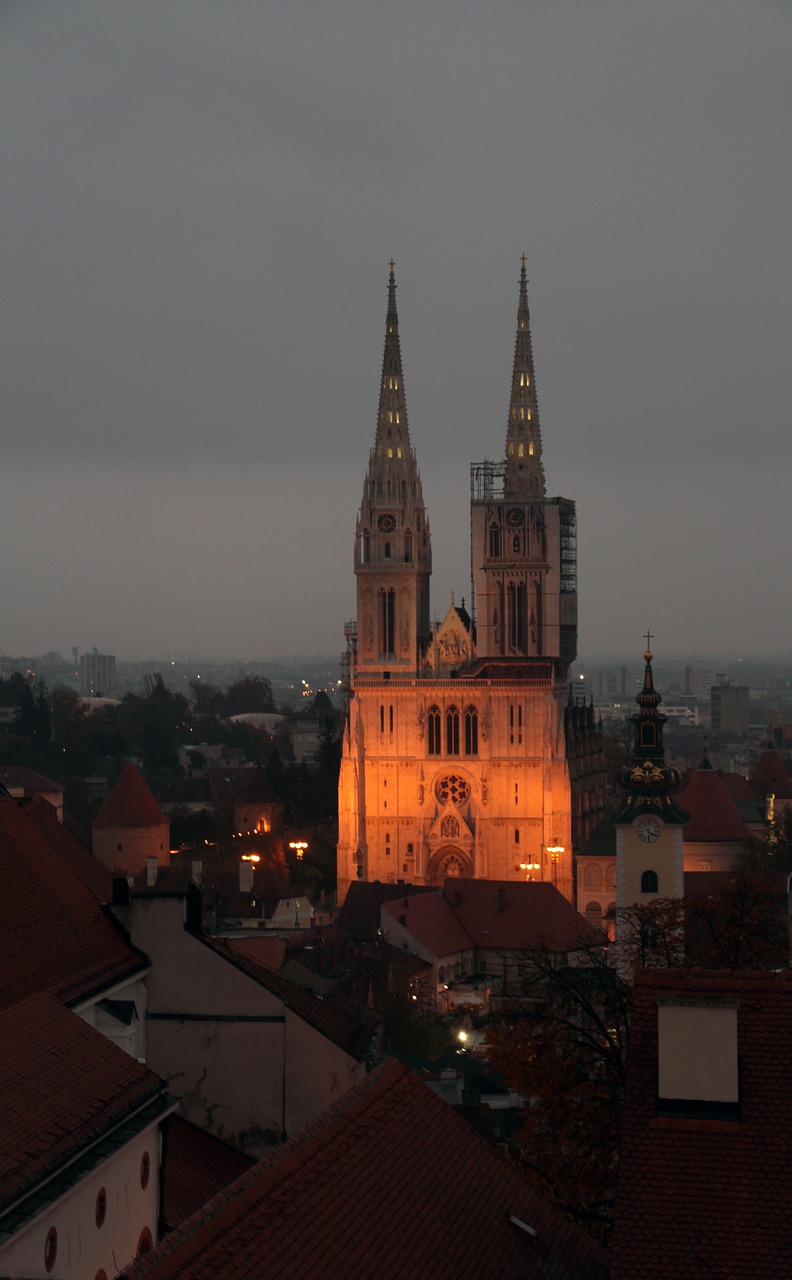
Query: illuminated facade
point(454, 759)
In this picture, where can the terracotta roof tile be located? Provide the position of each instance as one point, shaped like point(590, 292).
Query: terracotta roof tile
point(713, 814)
point(518, 914)
point(359, 916)
point(93, 873)
point(196, 1166)
point(771, 777)
point(704, 1196)
point(55, 935)
point(431, 920)
point(390, 1183)
point(64, 1084)
point(130, 803)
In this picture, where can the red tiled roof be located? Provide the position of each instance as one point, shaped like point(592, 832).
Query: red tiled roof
point(359, 916)
point(16, 776)
point(389, 1184)
point(93, 873)
point(704, 1197)
point(770, 776)
point(130, 803)
point(508, 913)
point(739, 788)
point(351, 1034)
point(55, 936)
point(713, 814)
point(196, 1165)
point(63, 1085)
point(267, 951)
point(432, 921)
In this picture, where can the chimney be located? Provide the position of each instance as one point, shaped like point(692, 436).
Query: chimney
point(151, 872)
point(120, 891)
point(197, 871)
point(246, 873)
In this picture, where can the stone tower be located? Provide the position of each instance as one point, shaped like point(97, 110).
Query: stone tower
point(393, 554)
point(650, 849)
point(454, 756)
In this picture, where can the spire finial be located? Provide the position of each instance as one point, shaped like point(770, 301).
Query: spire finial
point(391, 266)
point(648, 655)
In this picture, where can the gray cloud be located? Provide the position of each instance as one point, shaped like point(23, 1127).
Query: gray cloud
point(199, 204)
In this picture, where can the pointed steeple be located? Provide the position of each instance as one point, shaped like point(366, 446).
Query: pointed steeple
point(524, 471)
point(393, 553)
point(393, 435)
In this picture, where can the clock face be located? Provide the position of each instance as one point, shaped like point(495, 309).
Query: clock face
point(648, 830)
point(386, 524)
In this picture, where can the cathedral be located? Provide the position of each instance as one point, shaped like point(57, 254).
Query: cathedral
point(454, 752)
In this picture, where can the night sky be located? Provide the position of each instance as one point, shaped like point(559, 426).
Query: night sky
point(199, 201)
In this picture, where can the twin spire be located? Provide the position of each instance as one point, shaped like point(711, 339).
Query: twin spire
point(524, 477)
point(524, 471)
point(393, 435)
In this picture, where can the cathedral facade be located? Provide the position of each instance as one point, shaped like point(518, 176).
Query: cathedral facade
point(454, 758)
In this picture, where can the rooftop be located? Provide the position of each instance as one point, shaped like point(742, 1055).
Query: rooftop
point(389, 1183)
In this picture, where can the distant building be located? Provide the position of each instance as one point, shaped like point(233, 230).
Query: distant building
point(97, 673)
point(729, 709)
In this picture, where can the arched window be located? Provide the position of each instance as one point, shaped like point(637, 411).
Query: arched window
point(471, 731)
point(592, 877)
point(516, 835)
point(433, 726)
point(649, 882)
point(452, 731)
point(441, 973)
point(494, 540)
point(594, 914)
point(387, 551)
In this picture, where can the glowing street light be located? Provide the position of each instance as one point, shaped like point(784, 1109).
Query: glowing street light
point(555, 850)
point(299, 847)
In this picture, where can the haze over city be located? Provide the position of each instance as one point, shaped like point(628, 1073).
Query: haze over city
point(200, 204)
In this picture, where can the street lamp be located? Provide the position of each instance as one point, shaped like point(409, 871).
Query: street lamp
point(299, 847)
point(555, 850)
point(529, 868)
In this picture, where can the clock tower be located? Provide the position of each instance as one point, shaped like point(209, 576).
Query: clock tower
point(649, 825)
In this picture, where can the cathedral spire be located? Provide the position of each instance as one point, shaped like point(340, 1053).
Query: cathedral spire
point(393, 553)
point(524, 471)
point(393, 435)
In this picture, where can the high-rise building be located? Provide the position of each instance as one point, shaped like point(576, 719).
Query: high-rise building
point(454, 758)
point(97, 673)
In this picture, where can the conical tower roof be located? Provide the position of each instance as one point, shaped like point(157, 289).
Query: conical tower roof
point(130, 803)
point(524, 470)
point(393, 435)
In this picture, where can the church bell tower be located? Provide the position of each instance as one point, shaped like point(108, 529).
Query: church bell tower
point(393, 554)
point(523, 544)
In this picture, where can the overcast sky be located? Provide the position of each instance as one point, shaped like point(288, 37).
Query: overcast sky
point(199, 201)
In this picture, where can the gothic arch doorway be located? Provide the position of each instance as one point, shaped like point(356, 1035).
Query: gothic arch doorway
point(448, 862)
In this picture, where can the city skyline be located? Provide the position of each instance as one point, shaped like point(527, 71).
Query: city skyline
point(200, 209)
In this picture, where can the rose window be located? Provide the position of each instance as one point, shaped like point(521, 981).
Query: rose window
point(453, 789)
